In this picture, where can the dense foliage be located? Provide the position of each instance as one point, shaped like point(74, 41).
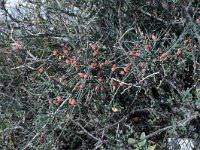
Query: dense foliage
point(88, 74)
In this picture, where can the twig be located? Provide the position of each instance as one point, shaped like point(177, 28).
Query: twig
point(53, 115)
point(120, 40)
point(29, 64)
point(136, 85)
point(179, 92)
point(30, 54)
point(62, 104)
point(149, 76)
point(33, 34)
point(150, 15)
point(36, 135)
point(97, 139)
point(17, 100)
point(14, 128)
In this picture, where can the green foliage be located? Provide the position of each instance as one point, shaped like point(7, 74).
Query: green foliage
point(142, 145)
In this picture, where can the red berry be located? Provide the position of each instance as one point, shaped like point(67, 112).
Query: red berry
point(55, 52)
point(68, 61)
point(93, 46)
point(96, 88)
point(81, 74)
point(112, 81)
point(179, 51)
point(86, 76)
point(95, 54)
point(142, 65)
point(131, 53)
point(59, 98)
point(121, 84)
point(164, 55)
point(79, 51)
point(71, 101)
point(100, 79)
point(54, 102)
point(122, 72)
point(153, 37)
point(50, 101)
point(66, 51)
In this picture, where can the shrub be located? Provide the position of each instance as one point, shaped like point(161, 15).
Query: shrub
point(97, 74)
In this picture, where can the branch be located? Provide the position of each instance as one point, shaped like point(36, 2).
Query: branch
point(157, 18)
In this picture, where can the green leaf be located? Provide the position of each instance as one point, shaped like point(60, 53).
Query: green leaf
point(152, 147)
point(142, 135)
point(142, 143)
point(131, 140)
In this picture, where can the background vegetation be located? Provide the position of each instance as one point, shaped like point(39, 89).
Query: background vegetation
point(88, 74)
